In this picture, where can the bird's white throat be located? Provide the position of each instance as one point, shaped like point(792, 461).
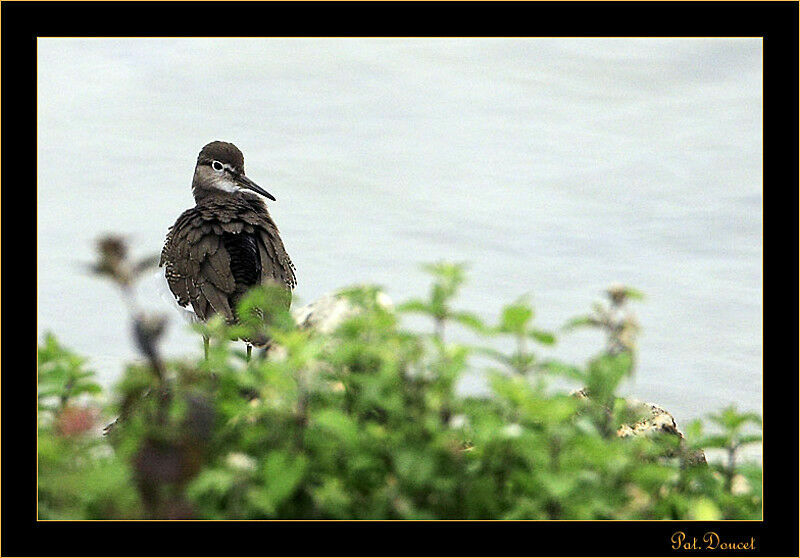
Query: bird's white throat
point(226, 185)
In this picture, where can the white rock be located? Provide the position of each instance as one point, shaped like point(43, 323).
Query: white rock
point(329, 311)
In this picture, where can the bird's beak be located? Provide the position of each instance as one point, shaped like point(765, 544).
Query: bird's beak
point(250, 185)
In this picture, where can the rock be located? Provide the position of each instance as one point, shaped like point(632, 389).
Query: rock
point(327, 313)
point(654, 421)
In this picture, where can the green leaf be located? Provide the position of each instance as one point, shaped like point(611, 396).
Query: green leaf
point(543, 337)
point(580, 321)
point(729, 418)
point(715, 441)
point(337, 424)
point(494, 354)
point(469, 320)
point(558, 368)
point(749, 439)
point(415, 467)
point(281, 474)
point(515, 317)
point(652, 477)
point(215, 481)
point(605, 374)
point(704, 509)
point(415, 305)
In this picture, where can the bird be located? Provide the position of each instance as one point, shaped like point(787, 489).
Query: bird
point(226, 244)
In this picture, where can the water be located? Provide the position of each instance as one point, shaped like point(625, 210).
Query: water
point(554, 166)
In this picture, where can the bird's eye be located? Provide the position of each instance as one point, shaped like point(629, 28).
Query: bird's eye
point(217, 166)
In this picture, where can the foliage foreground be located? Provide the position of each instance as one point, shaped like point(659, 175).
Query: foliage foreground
point(366, 423)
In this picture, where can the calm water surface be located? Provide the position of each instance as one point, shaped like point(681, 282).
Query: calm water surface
point(554, 167)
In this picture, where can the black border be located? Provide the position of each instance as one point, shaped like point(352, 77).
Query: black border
point(22, 22)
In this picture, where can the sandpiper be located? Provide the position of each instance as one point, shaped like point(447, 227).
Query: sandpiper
point(227, 243)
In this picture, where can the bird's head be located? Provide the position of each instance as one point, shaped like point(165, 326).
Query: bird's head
point(220, 168)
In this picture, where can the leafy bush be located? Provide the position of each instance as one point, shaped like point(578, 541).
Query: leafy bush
point(80, 476)
point(366, 423)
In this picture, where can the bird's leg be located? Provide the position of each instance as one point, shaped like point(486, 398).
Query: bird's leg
point(205, 346)
point(249, 351)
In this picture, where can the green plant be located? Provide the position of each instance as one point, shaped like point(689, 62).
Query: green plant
point(448, 279)
point(740, 482)
point(366, 423)
point(79, 474)
point(515, 322)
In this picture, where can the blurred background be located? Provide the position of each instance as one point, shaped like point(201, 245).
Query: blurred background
point(554, 166)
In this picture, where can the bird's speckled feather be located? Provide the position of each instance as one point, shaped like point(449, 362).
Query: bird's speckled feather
point(197, 254)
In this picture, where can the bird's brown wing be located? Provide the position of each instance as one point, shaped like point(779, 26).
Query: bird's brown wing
point(276, 266)
point(198, 267)
point(198, 263)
